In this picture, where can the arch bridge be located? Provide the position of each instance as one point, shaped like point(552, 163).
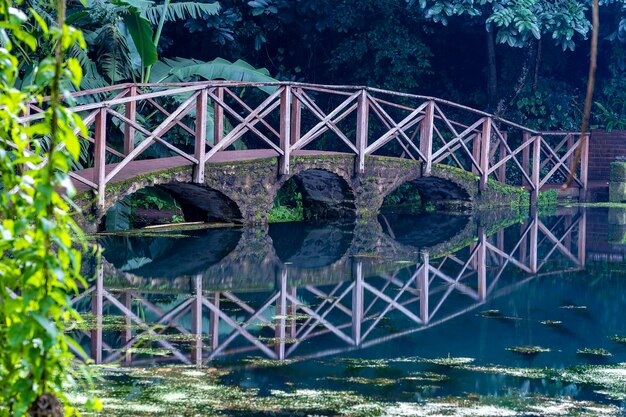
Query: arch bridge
point(242, 141)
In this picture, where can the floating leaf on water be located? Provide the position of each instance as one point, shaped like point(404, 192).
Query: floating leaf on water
point(380, 382)
point(265, 363)
point(551, 323)
point(497, 314)
point(366, 363)
point(573, 307)
point(594, 352)
point(149, 351)
point(527, 350)
point(449, 361)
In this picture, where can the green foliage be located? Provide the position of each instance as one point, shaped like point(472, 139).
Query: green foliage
point(182, 69)
point(122, 215)
point(550, 107)
point(548, 198)
point(405, 194)
point(287, 205)
point(177, 218)
point(153, 198)
point(611, 104)
point(40, 265)
point(141, 33)
point(517, 22)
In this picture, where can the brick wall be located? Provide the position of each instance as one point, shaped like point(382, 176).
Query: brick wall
point(603, 148)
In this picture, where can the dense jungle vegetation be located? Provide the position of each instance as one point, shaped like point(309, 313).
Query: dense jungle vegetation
point(525, 60)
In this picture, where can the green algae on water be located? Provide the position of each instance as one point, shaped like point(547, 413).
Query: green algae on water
point(594, 352)
point(527, 350)
point(184, 390)
point(618, 339)
point(551, 323)
point(448, 361)
point(497, 314)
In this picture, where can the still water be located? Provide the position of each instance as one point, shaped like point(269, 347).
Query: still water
point(428, 314)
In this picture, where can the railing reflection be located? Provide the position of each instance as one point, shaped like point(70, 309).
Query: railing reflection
point(371, 306)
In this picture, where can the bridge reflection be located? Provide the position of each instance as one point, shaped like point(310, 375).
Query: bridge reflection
point(373, 291)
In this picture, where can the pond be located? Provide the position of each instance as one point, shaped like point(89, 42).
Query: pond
point(427, 314)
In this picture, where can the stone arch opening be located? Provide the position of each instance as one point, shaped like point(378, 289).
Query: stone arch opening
point(310, 246)
point(316, 194)
point(146, 206)
point(425, 193)
point(168, 257)
point(173, 202)
point(423, 230)
point(200, 203)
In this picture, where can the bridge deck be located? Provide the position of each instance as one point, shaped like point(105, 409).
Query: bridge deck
point(148, 166)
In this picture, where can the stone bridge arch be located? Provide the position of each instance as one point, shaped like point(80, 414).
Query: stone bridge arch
point(198, 201)
point(244, 190)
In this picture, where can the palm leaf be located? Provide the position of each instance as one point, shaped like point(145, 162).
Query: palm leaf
point(180, 11)
point(113, 53)
point(184, 70)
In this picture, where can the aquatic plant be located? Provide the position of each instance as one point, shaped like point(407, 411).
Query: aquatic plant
point(594, 352)
point(448, 361)
point(618, 339)
point(551, 323)
point(527, 350)
point(181, 390)
point(497, 314)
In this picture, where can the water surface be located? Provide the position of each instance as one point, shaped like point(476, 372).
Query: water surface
point(382, 318)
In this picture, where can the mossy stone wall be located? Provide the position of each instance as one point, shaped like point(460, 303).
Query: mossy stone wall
point(617, 185)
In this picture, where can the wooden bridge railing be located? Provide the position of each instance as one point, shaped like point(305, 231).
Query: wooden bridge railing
point(126, 122)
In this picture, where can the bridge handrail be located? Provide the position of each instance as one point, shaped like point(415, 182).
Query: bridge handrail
point(198, 85)
point(441, 138)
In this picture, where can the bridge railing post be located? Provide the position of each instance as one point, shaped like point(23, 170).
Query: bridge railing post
point(426, 136)
point(196, 321)
point(285, 128)
point(357, 303)
point(423, 287)
point(570, 145)
point(481, 265)
point(130, 111)
point(484, 153)
point(502, 152)
point(200, 139)
point(476, 151)
point(99, 172)
point(584, 165)
point(362, 117)
point(582, 239)
point(296, 116)
point(526, 157)
point(536, 170)
point(534, 236)
point(218, 116)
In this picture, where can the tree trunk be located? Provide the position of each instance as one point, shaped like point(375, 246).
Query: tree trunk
point(492, 73)
point(537, 65)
